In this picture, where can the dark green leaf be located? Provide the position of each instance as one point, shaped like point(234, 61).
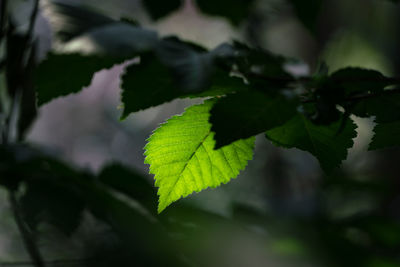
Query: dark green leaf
point(130, 183)
point(159, 9)
point(64, 74)
point(358, 80)
point(386, 135)
point(385, 107)
point(234, 11)
point(177, 70)
point(146, 85)
point(85, 55)
point(307, 12)
point(245, 114)
point(325, 142)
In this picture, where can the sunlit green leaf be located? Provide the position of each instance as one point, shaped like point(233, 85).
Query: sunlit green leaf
point(181, 155)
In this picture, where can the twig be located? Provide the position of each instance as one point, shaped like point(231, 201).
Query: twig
point(27, 237)
point(51, 262)
point(32, 21)
point(3, 17)
point(362, 96)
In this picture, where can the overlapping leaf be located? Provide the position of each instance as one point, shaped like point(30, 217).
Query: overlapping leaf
point(386, 135)
point(181, 155)
point(74, 67)
point(130, 183)
point(77, 72)
point(245, 114)
point(359, 80)
point(328, 143)
point(384, 107)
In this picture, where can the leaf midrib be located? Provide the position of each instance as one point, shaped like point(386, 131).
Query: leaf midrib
point(187, 162)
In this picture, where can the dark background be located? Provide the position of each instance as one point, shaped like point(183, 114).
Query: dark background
point(282, 210)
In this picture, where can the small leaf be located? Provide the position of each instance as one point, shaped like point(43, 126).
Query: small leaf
point(325, 142)
point(159, 9)
point(234, 11)
point(64, 74)
point(245, 114)
point(181, 155)
point(146, 85)
point(87, 54)
point(386, 135)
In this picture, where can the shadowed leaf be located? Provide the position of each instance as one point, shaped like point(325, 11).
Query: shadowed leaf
point(386, 135)
point(326, 143)
point(245, 114)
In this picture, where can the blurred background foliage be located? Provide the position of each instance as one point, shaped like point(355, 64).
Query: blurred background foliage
point(282, 211)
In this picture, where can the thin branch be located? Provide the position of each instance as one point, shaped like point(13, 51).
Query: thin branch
point(305, 79)
point(3, 17)
point(32, 21)
point(27, 237)
point(61, 262)
point(31, 28)
point(3, 63)
point(362, 96)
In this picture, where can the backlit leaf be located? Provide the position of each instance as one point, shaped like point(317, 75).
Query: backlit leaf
point(181, 155)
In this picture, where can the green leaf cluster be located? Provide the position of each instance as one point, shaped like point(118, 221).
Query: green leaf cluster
point(251, 92)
